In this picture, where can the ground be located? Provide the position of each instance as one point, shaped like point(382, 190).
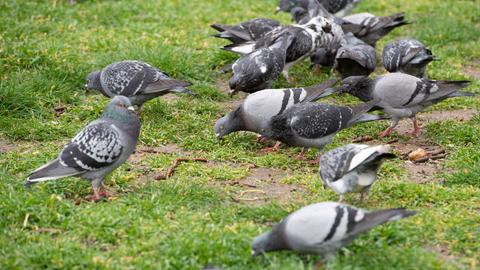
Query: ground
point(207, 213)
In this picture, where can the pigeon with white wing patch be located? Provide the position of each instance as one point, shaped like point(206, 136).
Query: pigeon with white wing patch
point(323, 228)
point(98, 149)
point(353, 167)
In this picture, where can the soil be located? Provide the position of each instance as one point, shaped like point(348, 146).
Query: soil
point(474, 69)
point(6, 146)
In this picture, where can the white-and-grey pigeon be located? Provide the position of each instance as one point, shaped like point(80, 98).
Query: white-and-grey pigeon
point(355, 58)
point(402, 95)
point(323, 228)
point(258, 70)
point(315, 124)
point(250, 30)
point(408, 56)
point(96, 150)
point(317, 33)
point(262, 105)
point(136, 80)
point(352, 167)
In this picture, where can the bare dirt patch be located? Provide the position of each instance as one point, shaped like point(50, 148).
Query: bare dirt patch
point(473, 70)
point(6, 146)
point(263, 185)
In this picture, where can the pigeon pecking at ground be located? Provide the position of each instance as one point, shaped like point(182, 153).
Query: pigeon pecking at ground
point(315, 124)
point(317, 33)
point(407, 56)
point(136, 80)
point(339, 8)
point(352, 167)
point(250, 30)
point(402, 95)
point(356, 58)
point(323, 228)
point(263, 105)
point(258, 70)
point(97, 150)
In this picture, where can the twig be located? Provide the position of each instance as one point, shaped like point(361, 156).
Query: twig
point(25, 220)
point(240, 198)
point(175, 164)
point(439, 156)
point(48, 230)
point(363, 139)
point(392, 141)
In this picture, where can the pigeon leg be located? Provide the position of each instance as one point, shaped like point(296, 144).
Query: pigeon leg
point(261, 139)
point(95, 197)
point(287, 77)
point(272, 149)
point(417, 129)
point(341, 199)
point(363, 196)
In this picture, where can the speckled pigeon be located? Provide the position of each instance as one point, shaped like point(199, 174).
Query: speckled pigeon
point(316, 33)
point(339, 8)
point(258, 70)
point(373, 28)
point(402, 95)
point(136, 80)
point(408, 56)
point(356, 58)
point(315, 124)
point(262, 105)
point(245, 31)
point(323, 228)
point(352, 167)
point(96, 150)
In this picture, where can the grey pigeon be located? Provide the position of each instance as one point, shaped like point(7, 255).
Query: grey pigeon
point(408, 56)
point(352, 167)
point(136, 80)
point(317, 33)
point(258, 70)
point(339, 8)
point(315, 124)
point(373, 28)
point(402, 95)
point(288, 5)
point(262, 105)
point(245, 31)
point(96, 150)
point(356, 58)
point(323, 228)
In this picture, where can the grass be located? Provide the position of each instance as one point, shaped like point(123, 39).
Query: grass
point(190, 220)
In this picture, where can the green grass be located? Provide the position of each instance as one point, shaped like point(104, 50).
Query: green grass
point(191, 220)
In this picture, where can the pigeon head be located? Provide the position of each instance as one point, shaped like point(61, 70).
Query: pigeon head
point(269, 241)
point(229, 123)
point(285, 6)
point(323, 57)
point(357, 86)
point(298, 13)
point(93, 81)
point(120, 109)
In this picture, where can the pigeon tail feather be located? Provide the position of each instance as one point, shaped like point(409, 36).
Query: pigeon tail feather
point(50, 171)
point(318, 91)
point(379, 217)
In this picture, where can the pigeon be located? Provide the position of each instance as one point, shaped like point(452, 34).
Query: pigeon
point(317, 33)
point(339, 8)
point(258, 70)
point(246, 31)
point(373, 27)
point(98, 149)
point(315, 124)
point(262, 105)
point(356, 58)
point(323, 228)
point(136, 80)
point(408, 56)
point(401, 95)
point(353, 167)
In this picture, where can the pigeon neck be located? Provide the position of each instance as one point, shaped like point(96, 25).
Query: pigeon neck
point(360, 90)
point(276, 239)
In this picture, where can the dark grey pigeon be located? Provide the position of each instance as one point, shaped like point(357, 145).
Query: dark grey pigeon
point(408, 56)
point(315, 124)
point(356, 58)
point(262, 105)
point(339, 8)
point(316, 33)
point(245, 31)
point(373, 28)
point(402, 95)
point(136, 80)
point(323, 228)
point(258, 70)
point(288, 5)
point(96, 150)
point(352, 167)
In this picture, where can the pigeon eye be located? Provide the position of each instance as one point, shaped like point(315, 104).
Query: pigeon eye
point(222, 127)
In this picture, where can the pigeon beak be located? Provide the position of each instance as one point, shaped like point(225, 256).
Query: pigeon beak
point(231, 93)
point(435, 58)
point(131, 108)
point(277, 10)
point(218, 136)
point(254, 254)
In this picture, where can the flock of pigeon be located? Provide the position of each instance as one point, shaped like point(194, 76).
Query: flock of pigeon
point(326, 34)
